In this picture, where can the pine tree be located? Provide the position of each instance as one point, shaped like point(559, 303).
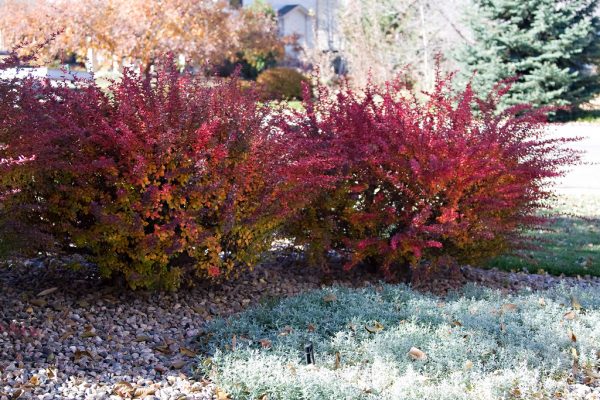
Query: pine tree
point(553, 46)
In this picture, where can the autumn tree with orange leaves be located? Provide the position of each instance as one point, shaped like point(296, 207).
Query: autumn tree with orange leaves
point(138, 31)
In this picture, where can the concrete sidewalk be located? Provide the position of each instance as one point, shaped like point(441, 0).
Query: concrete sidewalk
point(584, 178)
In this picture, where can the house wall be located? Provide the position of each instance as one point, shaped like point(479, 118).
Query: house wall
point(297, 22)
point(323, 26)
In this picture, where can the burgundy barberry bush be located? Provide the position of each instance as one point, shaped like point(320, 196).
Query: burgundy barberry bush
point(421, 181)
point(159, 179)
point(14, 236)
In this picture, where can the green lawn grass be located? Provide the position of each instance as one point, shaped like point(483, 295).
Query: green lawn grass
point(390, 342)
point(570, 247)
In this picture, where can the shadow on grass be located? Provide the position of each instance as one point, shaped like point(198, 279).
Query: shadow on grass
point(571, 246)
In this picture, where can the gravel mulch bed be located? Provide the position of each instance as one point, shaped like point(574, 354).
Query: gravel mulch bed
point(66, 334)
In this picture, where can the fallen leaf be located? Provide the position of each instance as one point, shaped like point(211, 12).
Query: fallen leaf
point(456, 323)
point(187, 352)
point(164, 348)
point(329, 298)
point(34, 380)
point(66, 335)
point(220, 394)
point(51, 373)
point(79, 354)
point(123, 389)
point(16, 394)
point(575, 303)
point(591, 373)
point(509, 307)
point(142, 338)
point(38, 302)
point(311, 328)
point(574, 354)
point(417, 354)
point(233, 342)
point(88, 334)
point(337, 360)
point(47, 291)
point(468, 364)
point(575, 368)
point(265, 343)
point(542, 302)
point(286, 331)
point(29, 310)
point(570, 315)
point(588, 380)
point(144, 391)
point(376, 327)
point(572, 336)
point(178, 364)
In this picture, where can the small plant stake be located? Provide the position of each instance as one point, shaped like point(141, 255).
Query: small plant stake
point(310, 353)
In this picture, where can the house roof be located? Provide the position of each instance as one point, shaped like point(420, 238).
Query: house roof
point(286, 9)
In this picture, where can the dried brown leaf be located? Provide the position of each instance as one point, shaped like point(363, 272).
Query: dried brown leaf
point(164, 348)
point(286, 331)
point(574, 354)
point(38, 302)
point(220, 394)
point(144, 392)
point(79, 354)
point(47, 291)
point(265, 343)
point(329, 298)
point(570, 315)
point(417, 354)
point(509, 307)
point(66, 335)
point(123, 389)
point(187, 352)
point(34, 380)
point(311, 328)
point(468, 364)
point(376, 327)
point(542, 302)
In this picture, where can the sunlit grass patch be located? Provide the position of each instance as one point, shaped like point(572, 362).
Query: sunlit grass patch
point(570, 246)
point(479, 345)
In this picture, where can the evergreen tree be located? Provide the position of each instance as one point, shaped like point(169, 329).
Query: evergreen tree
point(553, 46)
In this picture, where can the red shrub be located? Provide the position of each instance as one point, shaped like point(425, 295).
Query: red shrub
point(159, 179)
point(417, 180)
